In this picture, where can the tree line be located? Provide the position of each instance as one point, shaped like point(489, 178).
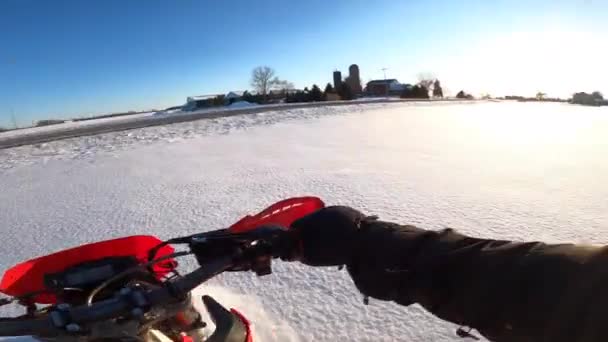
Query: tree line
point(312, 94)
point(594, 99)
point(268, 88)
point(422, 88)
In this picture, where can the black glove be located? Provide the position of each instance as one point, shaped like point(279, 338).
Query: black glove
point(376, 253)
point(328, 237)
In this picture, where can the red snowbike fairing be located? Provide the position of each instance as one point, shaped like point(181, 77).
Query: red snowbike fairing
point(98, 282)
point(28, 277)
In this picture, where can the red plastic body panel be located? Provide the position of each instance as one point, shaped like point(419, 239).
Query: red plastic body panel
point(282, 213)
point(28, 277)
point(186, 338)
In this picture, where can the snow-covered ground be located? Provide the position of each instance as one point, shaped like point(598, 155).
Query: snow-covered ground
point(507, 170)
point(88, 146)
point(95, 126)
point(73, 124)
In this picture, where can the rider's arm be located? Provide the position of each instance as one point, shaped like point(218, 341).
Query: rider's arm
point(508, 291)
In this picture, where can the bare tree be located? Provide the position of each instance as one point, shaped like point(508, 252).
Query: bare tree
point(262, 79)
point(540, 96)
point(426, 79)
point(282, 85)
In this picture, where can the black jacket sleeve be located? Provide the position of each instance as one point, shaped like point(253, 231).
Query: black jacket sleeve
point(508, 291)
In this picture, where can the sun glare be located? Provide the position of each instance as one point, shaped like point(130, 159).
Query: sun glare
point(555, 62)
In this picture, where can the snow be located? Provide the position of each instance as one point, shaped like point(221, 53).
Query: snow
point(242, 104)
point(88, 146)
point(72, 124)
point(506, 170)
point(228, 108)
point(70, 128)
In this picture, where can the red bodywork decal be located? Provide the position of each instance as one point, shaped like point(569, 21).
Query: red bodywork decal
point(282, 213)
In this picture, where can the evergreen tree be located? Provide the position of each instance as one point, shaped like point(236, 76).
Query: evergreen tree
point(328, 90)
point(462, 95)
point(345, 92)
point(218, 100)
point(422, 92)
point(315, 93)
point(437, 91)
point(597, 95)
point(415, 92)
point(247, 96)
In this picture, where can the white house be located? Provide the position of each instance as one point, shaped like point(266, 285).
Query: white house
point(197, 102)
point(234, 95)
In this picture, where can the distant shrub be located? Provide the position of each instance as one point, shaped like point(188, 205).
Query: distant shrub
point(345, 91)
point(415, 92)
point(462, 95)
point(299, 96)
point(315, 93)
point(218, 100)
point(594, 99)
point(41, 123)
point(259, 99)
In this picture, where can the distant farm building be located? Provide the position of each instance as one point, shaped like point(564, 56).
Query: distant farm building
point(337, 79)
point(385, 87)
point(353, 80)
point(199, 102)
point(206, 101)
point(234, 96)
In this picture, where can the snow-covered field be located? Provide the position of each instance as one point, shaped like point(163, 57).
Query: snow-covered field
point(508, 170)
point(151, 117)
point(74, 124)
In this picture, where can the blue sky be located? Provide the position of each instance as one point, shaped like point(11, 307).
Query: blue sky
point(78, 58)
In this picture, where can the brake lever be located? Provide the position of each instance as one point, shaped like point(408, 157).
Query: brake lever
point(257, 259)
point(254, 249)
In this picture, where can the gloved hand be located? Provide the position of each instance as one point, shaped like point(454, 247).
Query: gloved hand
point(328, 237)
point(377, 253)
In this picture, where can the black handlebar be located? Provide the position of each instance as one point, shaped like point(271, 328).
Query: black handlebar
point(40, 326)
point(251, 250)
point(70, 319)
